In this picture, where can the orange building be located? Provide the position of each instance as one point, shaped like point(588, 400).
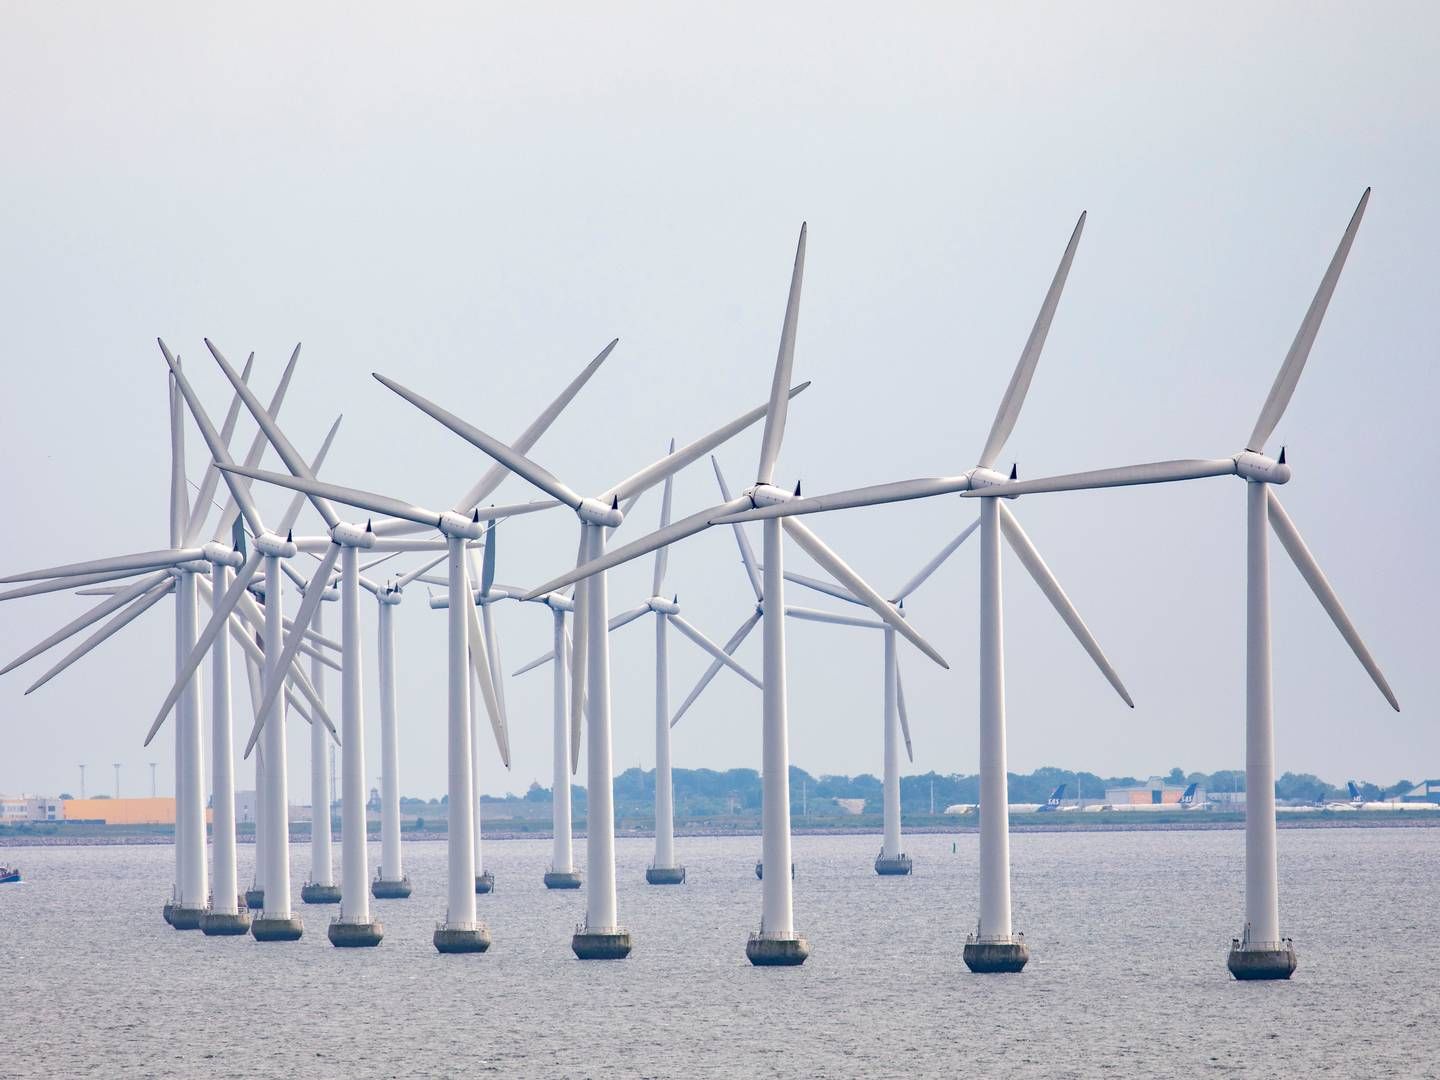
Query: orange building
point(123, 811)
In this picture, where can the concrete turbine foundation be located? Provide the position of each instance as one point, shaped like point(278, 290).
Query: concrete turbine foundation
point(777, 950)
point(277, 928)
point(562, 879)
point(1265, 960)
point(315, 892)
point(988, 956)
point(224, 923)
point(459, 939)
point(390, 890)
point(898, 866)
point(665, 875)
point(355, 935)
point(186, 918)
point(608, 944)
point(168, 912)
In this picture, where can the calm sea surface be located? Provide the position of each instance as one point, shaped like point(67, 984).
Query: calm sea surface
point(1128, 933)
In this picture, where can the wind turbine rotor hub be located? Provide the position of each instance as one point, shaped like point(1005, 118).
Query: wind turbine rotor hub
point(1259, 467)
point(595, 512)
point(460, 526)
point(221, 555)
point(661, 606)
point(355, 536)
point(195, 566)
point(983, 477)
point(769, 495)
point(274, 547)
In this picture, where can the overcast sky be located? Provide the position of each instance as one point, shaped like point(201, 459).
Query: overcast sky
point(474, 199)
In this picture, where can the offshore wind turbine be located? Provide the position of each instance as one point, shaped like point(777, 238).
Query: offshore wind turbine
point(776, 943)
point(600, 937)
point(1260, 952)
point(664, 870)
point(993, 947)
point(892, 860)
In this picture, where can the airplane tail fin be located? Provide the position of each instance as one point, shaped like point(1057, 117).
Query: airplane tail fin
point(1053, 803)
point(1355, 796)
point(1188, 798)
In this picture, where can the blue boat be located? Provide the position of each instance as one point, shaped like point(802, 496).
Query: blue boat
point(9, 875)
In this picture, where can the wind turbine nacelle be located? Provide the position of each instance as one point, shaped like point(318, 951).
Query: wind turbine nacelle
point(194, 566)
point(595, 512)
point(222, 555)
point(391, 596)
point(661, 606)
point(272, 546)
point(1258, 467)
point(984, 478)
point(439, 603)
point(352, 536)
point(458, 525)
point(769, 495)
point(556, 602)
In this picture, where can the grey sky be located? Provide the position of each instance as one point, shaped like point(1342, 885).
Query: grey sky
point(474, 200)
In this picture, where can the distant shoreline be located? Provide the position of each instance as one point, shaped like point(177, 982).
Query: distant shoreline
point(105, 836)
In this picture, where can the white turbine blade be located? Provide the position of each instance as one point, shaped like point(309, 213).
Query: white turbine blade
point(293, 510)
point(837, 568)
point(486, 578)
point(121, 620)
point(66, 583)
point(646, 544)
point(579, 653)
point(508, 510)
point(141, 560)
point(531, 435)
point(1310, 570)
point(294, 701)
point(480, 661)
point(201, 508)
point(874, 495)
point(826, 587)
point(627, 617)
point(288, 454)
point(367, 567)
point(220, 616)
point(179, 497)
point(516, 462)
point(219, 453)
point(94, 615)
point(243, 634)
point(1290, 370)
point(904, 716)
point(308, 607)
point(934, 564)
point(496, 669)
point(714, 650)
point(784, 363)
point(1014, 398)
point(676, 460)
point(1030, 557)
point(1154, 472)
point(257, 447)
point(426, 568)
point(539, 661)
point(714, 669)
point(363, 500)
point(662, 555)
point(747, 556)
point(816, 615)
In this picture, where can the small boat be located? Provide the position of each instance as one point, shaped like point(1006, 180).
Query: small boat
point(9, 875)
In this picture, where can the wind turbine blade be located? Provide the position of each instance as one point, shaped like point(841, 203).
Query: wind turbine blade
point(66, 583)
point(487, 573)
point(816, 615)
point(539, 661)
point(206, 492)
point(784, 363)
point(497, 670)
point(627, 617)
point(219, 453)
point(293, 510)
point(364, 500)
point(365, 568)
point(257, 446)
point(714, 669)
point(1030, 557)
point(414, 574)
point(837, 568)
point(747, 556)
point(897, 491)
point(662, 555)
point(294, 701)
point(1014, 398)
point(293, 641)
point(480, 661)
point(904, 716)
point(1154, 472)
point(714, 650)
point(829, 589)
point(179, 497)
point(288, 454)
point(141, 560)
point(1309, 568)
point(1290, 370)
point(934, 564)
point(676, 460)
point(219, 618)
point(516, 462)
point(646, 544)
point(531, 435)
point(243, 634)
point(94, 615)
point(121, 620)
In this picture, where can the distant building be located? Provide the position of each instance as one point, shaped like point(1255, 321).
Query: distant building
point(17, 808)
point(158, 811)
point(851, 806)
point(1426, 791)
point(1155, 792)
